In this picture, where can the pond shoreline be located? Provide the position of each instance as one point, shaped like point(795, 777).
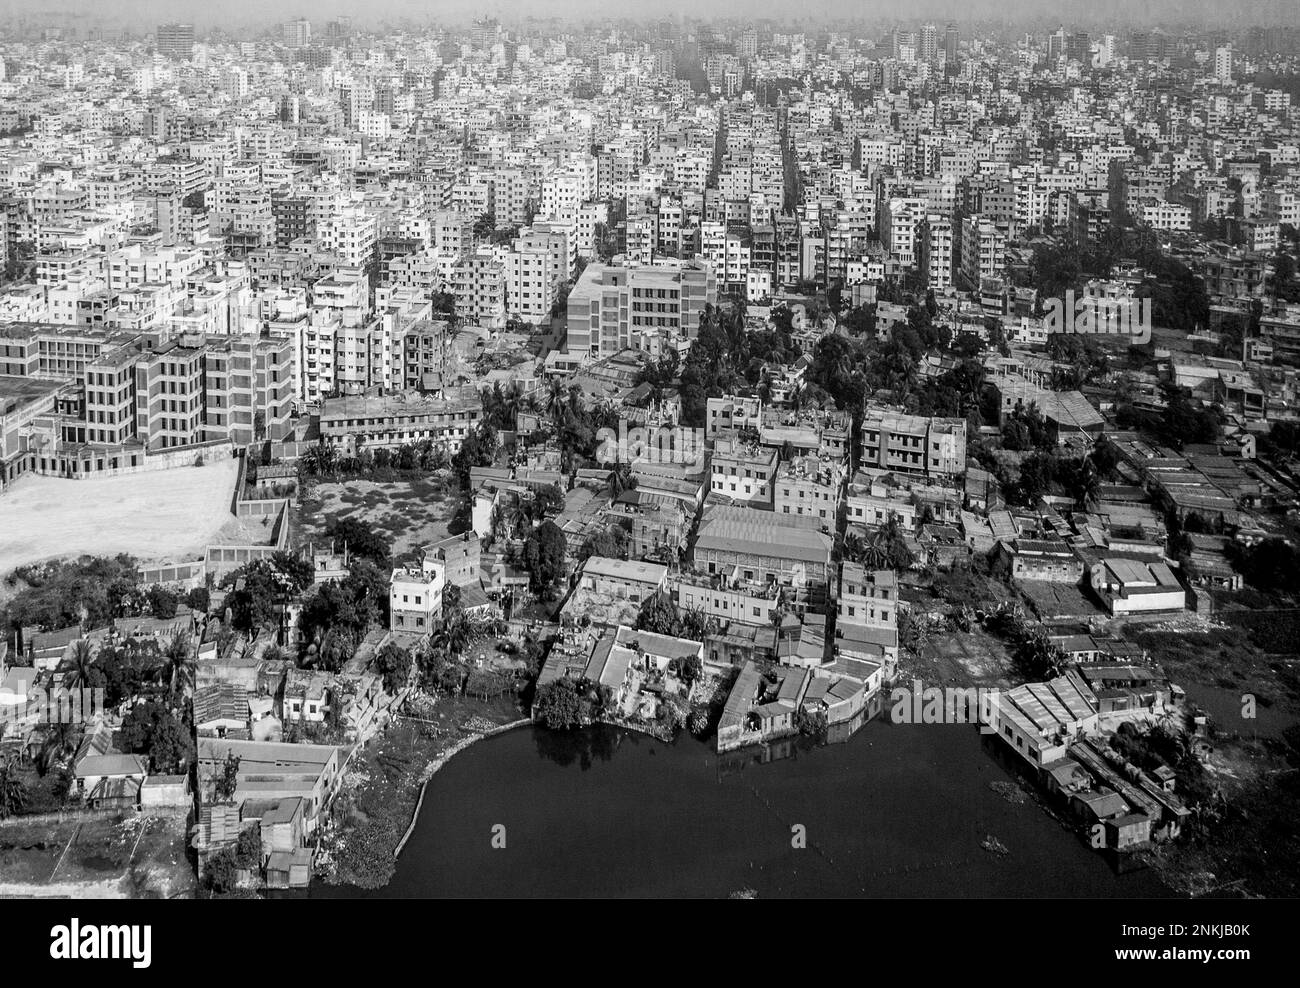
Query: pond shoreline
point(436, 765)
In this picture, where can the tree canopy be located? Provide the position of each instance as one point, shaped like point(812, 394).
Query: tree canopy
point(544, 555)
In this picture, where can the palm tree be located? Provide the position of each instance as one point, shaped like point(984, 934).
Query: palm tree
point(13, 793)
point(621, 479)
point(576, 401)
point(1087, 483)
point(81, 659)
point(510, 514)
point(607, 409)
point(179, 667)
point(853, 547)
point(58, 742)
point(454, 634)
point(322, 457)
point(555, 399)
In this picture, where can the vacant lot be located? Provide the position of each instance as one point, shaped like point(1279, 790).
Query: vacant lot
point(411, 513)
point(128, 856)
point(1219, 664)
point(963, 658)
point(163, 514)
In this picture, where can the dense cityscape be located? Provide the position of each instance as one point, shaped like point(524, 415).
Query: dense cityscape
point(744, 391)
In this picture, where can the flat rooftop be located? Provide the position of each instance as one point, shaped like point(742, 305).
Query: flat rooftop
point(15, 391)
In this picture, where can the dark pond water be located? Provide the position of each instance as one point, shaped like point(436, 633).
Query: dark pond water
point(896, 810)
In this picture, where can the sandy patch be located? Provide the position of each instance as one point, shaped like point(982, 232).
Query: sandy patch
point(159, 515)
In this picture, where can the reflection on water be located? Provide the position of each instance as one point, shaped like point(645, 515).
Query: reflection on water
point(730, 762)
point(585, 747)
point(889, 810)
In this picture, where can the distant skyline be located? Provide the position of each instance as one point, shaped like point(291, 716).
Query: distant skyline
point(143, 15)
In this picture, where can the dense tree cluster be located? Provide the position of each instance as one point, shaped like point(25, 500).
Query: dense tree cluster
point(394, 665)
point(361, 539)
point(884, 548)
point(725, 357)
point(1087, 361)
point(326, 461)
point(258, 590)
point(1026, 429)
point(91, 590)
point(661, 616)
point(563, 704)
point(544, 557)
point(338, 614)
point(1183, 420)
point(1273, 564)
point(610, 542)
point(478, 449)
point(152, 728)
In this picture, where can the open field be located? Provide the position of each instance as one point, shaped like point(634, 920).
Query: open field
point(970, 658)
point(107, 856)
point(410, 513)
point(162, 514)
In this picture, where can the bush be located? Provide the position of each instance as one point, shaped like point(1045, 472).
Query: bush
point(558, 705)
point(248, 849)
point(198, 599)
point(366, 860)
point(698, 722)
point(221, 872)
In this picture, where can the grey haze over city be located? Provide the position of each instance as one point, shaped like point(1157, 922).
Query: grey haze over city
point(140, 14)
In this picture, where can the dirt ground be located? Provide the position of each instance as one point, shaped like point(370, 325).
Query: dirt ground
point(412, 513)
point(970, 658)
point(132, 856)
point(160, 515)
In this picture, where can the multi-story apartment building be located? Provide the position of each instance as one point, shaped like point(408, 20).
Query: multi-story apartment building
point(289, 212)
point(350, 235)
point(1280, 206)
point(914, 444)
point(728, 597)
point(479, 283)
point(297, 33)
point(398, 419)
point(867, 613)
point(169, 405)
point(934, 260)
point(742, 471)
point(983, 250)
point(765, 548)
point(898, 222)
point(175, 41)
point(809, 485)
point(415, 597)
point(422, 347)
point(249, 389)
point(614, 307)
point(733, 412)
point(110, 392)
point(1166, 216)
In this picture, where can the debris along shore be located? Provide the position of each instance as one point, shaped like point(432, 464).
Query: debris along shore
point(378, 806)
point(484, 729)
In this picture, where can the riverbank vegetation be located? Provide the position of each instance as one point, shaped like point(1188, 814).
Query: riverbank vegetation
point(383, 783)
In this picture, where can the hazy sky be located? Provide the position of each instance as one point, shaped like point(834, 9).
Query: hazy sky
point(145, 13)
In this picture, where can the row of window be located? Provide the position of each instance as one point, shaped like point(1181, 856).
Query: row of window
point(852, 611)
